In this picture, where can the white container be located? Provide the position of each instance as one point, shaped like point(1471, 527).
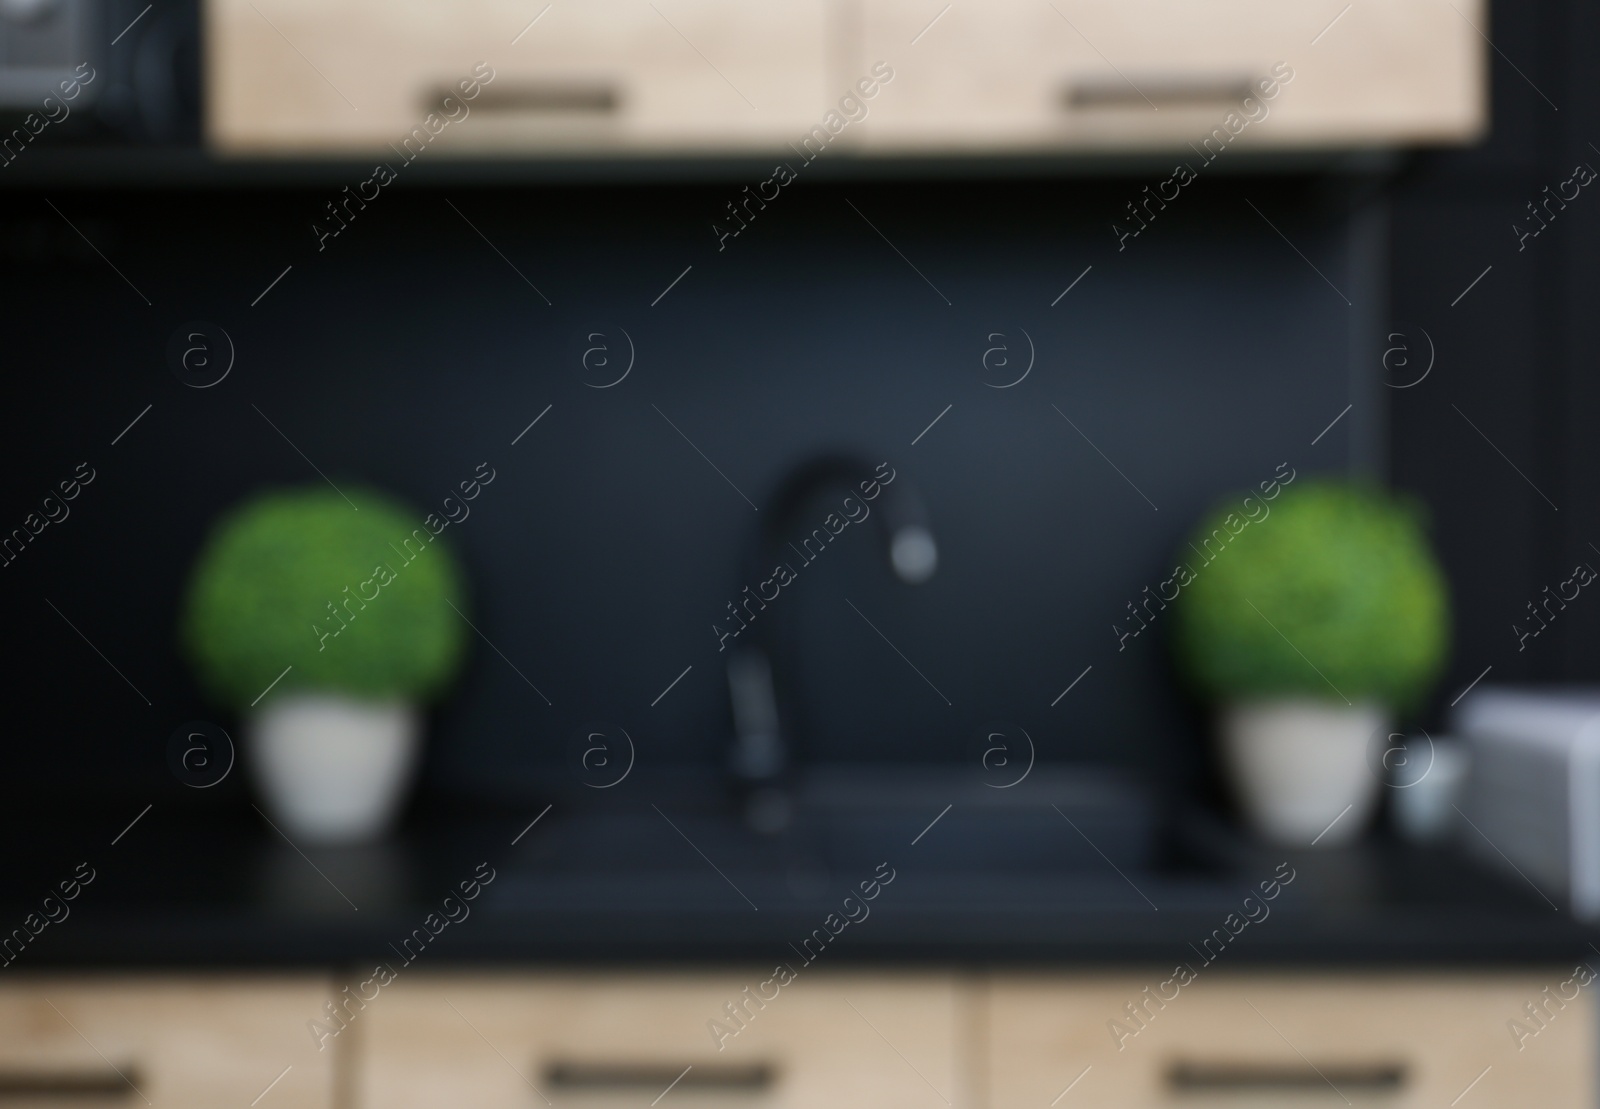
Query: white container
point(1532, 799)
point(1427, 787)
point(1299, 769)
point(333, 769)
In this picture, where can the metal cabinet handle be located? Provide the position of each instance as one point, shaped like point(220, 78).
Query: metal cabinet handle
point(549, 98)
point(1237, 1077)
point(711, 1077)
point(1174, 92)
point(68, 1085)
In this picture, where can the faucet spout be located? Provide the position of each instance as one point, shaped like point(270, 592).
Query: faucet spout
point(761, 758)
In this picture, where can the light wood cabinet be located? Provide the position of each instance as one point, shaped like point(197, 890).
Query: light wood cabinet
point(698, 77)
point(1397, 1040)
point(1032, 75)
point(878, 1041)
point(901, 1040)
point(177, 1043)
point(669, 77)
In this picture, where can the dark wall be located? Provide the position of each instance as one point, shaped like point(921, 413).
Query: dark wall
point(1194, 362)
point(1515, 355)
point(408, 351)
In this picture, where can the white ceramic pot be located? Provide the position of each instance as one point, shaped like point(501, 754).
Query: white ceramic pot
point(333, 769)
point(1297, 763)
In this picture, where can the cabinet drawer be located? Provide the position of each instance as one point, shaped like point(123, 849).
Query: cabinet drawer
point(673, 76)
point(1032, 76)
point(170, 1043)
point(878, 1041)
point(1382, 1040)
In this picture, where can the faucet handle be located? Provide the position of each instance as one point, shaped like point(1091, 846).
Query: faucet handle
point(913, 554)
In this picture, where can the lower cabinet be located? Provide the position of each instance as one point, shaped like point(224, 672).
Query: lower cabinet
point(625, 1039)
point(1287, 1040)
point(818, 1040)
point(169, 1042)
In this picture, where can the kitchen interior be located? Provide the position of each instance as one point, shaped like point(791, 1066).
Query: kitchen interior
point(447, 669)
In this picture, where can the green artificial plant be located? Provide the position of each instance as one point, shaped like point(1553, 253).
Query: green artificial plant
point(354, 595)
point(1329, 591)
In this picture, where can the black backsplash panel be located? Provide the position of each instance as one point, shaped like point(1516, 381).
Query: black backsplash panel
point(409, 350)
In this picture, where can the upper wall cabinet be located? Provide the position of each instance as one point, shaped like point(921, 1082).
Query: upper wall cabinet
point(670, 77)
point(1024, 76)
point(902, 77)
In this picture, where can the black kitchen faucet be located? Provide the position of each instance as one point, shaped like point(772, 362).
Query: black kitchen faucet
point(761, 759)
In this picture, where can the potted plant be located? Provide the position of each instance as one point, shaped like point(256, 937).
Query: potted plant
point(326, 622)
point(1310, 622)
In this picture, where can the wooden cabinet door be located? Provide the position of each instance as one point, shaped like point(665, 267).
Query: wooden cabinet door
point(686, 77)
point(1113, 75)
point(1363, 1039)
point(166, 1042)
point(878, 1041)
point(674, 77)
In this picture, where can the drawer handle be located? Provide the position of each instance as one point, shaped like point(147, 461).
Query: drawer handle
point(1196, 92)
point(42, 1085)
point(542, 97)
point(598, 1077)
point(1212, 1078)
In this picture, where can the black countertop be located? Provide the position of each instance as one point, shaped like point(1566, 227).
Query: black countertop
point(180, 889)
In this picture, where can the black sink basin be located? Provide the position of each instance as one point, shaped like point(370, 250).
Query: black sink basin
point(1051, 821)
point(950, 828)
